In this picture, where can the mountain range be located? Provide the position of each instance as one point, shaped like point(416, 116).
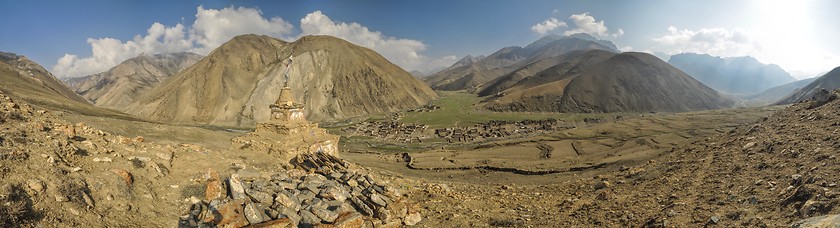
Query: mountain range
point(829, 81)
point(602, 81)
point(473, 73)
point(121, 85)
point(741, 76)
point(234, 84)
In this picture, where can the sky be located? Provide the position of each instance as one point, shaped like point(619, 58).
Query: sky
point(77, 38)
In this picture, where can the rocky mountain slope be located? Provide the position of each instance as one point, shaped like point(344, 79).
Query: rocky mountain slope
point(234, 84)
point(829, 81)
point(57, 173)
point(626, 82)
point(121, 85)
point(24, 79)
point(735, 75)
point(777, 93)
point(509, 59)
point(546, 70)
point(772, 173)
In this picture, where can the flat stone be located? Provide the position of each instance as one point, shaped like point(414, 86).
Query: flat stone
point(214, 186)
point(384, 214)
point(260, 197)
point(398, 208)
point(237, 191)
point(253, 214)
point(349, 220)
point(377, 199)
point(36, 185)
point(334, 193)
point(292, 215)
point(232, 214)
point(285, 200)
point(352, 183)
point(818, 221)
point(412, 219)
point(288, 185)
point(359, 204)
point(279, 223)
point(325, 215)
point(309, 218)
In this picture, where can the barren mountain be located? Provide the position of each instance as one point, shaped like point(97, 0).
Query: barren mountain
point(829, 81)
point(776, 93)
point(27, 80)
point(509, 59)
point(122, 84)
point(735, 75)
point(626, 82)
point(466, 61)
point(234, 84)
point(24, 79)
point(546, 70)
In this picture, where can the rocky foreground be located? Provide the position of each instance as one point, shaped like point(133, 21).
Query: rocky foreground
point(781, 171)
point(333, 193)
point(55, 173)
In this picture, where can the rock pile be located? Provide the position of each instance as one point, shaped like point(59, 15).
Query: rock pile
point(322, 189)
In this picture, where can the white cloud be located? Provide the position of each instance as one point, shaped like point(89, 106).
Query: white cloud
point(547, 26)
point(584, 23)
point(214, 27)
point(401, 51)
point(713, 41)
point(108, 52)
point(581, 23)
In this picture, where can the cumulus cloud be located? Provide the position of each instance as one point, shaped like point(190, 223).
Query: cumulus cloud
point(401, 51)
point(714, 41)
point(584, 23)
point(213, 27)
point(108, 52)
point(547, 26)
point(581, 23)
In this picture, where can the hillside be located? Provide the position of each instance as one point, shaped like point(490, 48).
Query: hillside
point(829, 81)
point(121, 85)
point(509, 59)
point(235, 83)
point(735, 75)
point(545, 70)
point(26, 80)
point(776, 93)
point(626, 82)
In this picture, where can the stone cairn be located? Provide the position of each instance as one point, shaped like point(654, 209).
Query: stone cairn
point(321, 190)
point(288, 133)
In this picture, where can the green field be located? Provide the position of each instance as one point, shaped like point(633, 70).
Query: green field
point(463, 109)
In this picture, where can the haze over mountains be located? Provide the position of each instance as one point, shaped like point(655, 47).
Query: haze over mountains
point(121, 85)
point(599, 81)
point(829, 81)
point(234, 84)
point(471, 74)
point(734, 75)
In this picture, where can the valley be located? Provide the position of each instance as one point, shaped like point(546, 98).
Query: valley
point(419, 114)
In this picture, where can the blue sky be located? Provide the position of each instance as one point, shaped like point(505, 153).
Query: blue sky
point(801, 36)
